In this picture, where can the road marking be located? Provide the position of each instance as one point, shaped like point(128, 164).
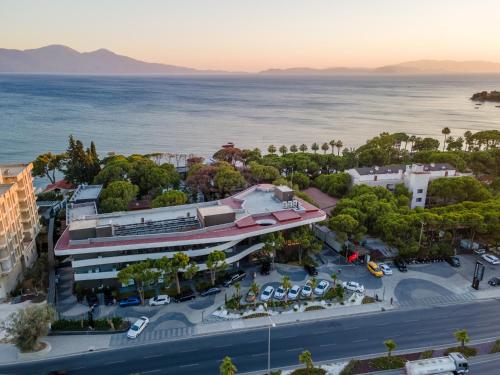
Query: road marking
point(294, 349)
point(150, 371)
point(222, 346)
point(421, 332)
point(333, 344)
point(361, 340)
point(190, 365)
point(411, 321)
point(382, 324)
point(153, 356)
point(349, 328)
point(258, 354)
point(187, 351)
point(114, 362)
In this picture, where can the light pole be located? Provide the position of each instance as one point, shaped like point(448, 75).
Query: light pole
point(272, 325)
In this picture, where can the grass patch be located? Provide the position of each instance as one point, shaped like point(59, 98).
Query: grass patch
point(304, 371)
point(350, 367)
point(256, 315)
point(313, 308)
point(427, 354)
point(496, 347)
point(388, 363)
point(367, 299)
point(466, 351)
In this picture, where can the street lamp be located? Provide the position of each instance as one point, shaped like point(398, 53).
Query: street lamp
point(269, 340)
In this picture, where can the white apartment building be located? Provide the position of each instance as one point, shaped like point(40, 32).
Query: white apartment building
point(415, 177)
point(19, 224)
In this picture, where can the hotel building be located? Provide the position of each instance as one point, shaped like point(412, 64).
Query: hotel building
point(99, 245)
point(19, 224)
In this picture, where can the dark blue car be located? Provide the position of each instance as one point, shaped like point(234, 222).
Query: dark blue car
point(130, 301)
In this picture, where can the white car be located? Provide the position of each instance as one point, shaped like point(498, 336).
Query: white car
point(267, 294)
point(322, 287)
point(280, 293)
point(479, 251)
point(138, 327)
point(159, 300)
point(294, 292)
point(306, 290)
point(353, 286)
point(491, 259)
point(385, 269)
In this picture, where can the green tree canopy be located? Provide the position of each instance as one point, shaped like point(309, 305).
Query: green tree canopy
point(170, 198)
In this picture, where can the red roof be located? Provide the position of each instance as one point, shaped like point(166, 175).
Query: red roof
point(61, 185)
point(245, 222)
point(286, 215)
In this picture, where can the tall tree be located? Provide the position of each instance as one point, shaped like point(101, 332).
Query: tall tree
point(315, 147)
point(227, 367)
point(306, 358)
point(283, 150)
point(332, 144)
point(216, 262)
point(325, 147)
point(271, 149)
point(303, 147)
point(227, 180)
point(180, 263)
point(446, 131)
point(339, 145)
point(46, 165)
point(293, 149)
point(142, 273)
point(170, 198)
point(462, 337)
point(390, 345)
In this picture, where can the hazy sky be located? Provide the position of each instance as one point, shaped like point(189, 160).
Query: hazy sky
point(259, 34)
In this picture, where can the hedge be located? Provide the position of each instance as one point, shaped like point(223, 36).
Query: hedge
point(82, 325)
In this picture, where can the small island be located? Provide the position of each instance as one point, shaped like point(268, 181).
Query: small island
point(485, 96)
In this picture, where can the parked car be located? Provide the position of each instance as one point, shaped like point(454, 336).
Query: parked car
point(267, 293)
point(353, 286)
point(265, 268)
point(479, 251)
point(159, 300)
point(250, 297)
point(453, 261)
point(374, 269)
point(280, 292)
point(385, 269)
point(306, 290)
point(231, 279)
point(130, 301)
point(210, 292)
point(401, 265)
point(294, 292)
point(311, 270)
point(490, 258)
point(322, 287)
point(494, 281)
point(185, 296)
point(137, 327)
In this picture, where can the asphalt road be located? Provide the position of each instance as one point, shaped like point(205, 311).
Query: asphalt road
point(327, 340)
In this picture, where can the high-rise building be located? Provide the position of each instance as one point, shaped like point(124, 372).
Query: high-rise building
point(19, 224)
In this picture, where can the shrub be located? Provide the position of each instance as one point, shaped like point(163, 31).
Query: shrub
point(466, 351)
point(233, 303)
point(331, 294)
point(367, 299)
point(388, 363)
point(256, 315)
point(427, 354)
point(305, 371)
point(350, 367)
point(315, 307)
point(496, 347)
point(83, 325)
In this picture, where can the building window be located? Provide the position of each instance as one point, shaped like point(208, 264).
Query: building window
point(418, 200)
point(420, 191)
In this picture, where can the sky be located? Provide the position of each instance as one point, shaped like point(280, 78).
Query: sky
point(254, 35)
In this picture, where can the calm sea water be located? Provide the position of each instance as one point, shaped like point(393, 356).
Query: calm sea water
point(198, 114)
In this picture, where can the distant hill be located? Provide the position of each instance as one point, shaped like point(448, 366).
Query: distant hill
point(64, 60)
point(441, 66)
point(411, 67)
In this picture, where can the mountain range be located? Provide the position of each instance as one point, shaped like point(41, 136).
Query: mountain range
point(58, 59)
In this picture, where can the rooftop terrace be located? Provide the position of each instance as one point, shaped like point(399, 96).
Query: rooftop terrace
point(86, 193)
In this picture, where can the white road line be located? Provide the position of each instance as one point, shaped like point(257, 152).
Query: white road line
point(361, 340)
point(294, 349)
point(258, 354)
point(114, 362)
point(332, 344)
point(153, 356)
point(190, 365)
point(411, 321)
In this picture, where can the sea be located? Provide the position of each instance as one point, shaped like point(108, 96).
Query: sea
point(198, 114)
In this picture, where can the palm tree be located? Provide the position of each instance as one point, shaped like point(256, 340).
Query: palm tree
point(303, 147)
point(325, 147)
point(283, 150)
point(306, 358)
point(334, 278)
point(237, 287)
point(468, 139)
point(446, 131)
point(255, 288)
point(293, 149)
point(314, 282)
point(390, 345)
point(227, 367)
point(462, 336)
point(332, 144)
point(339, 145)
point(287, 284)
point(315, 147)
point(412, 140)
point(271, 149)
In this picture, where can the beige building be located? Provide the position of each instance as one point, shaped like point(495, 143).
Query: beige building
point(19, 224)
